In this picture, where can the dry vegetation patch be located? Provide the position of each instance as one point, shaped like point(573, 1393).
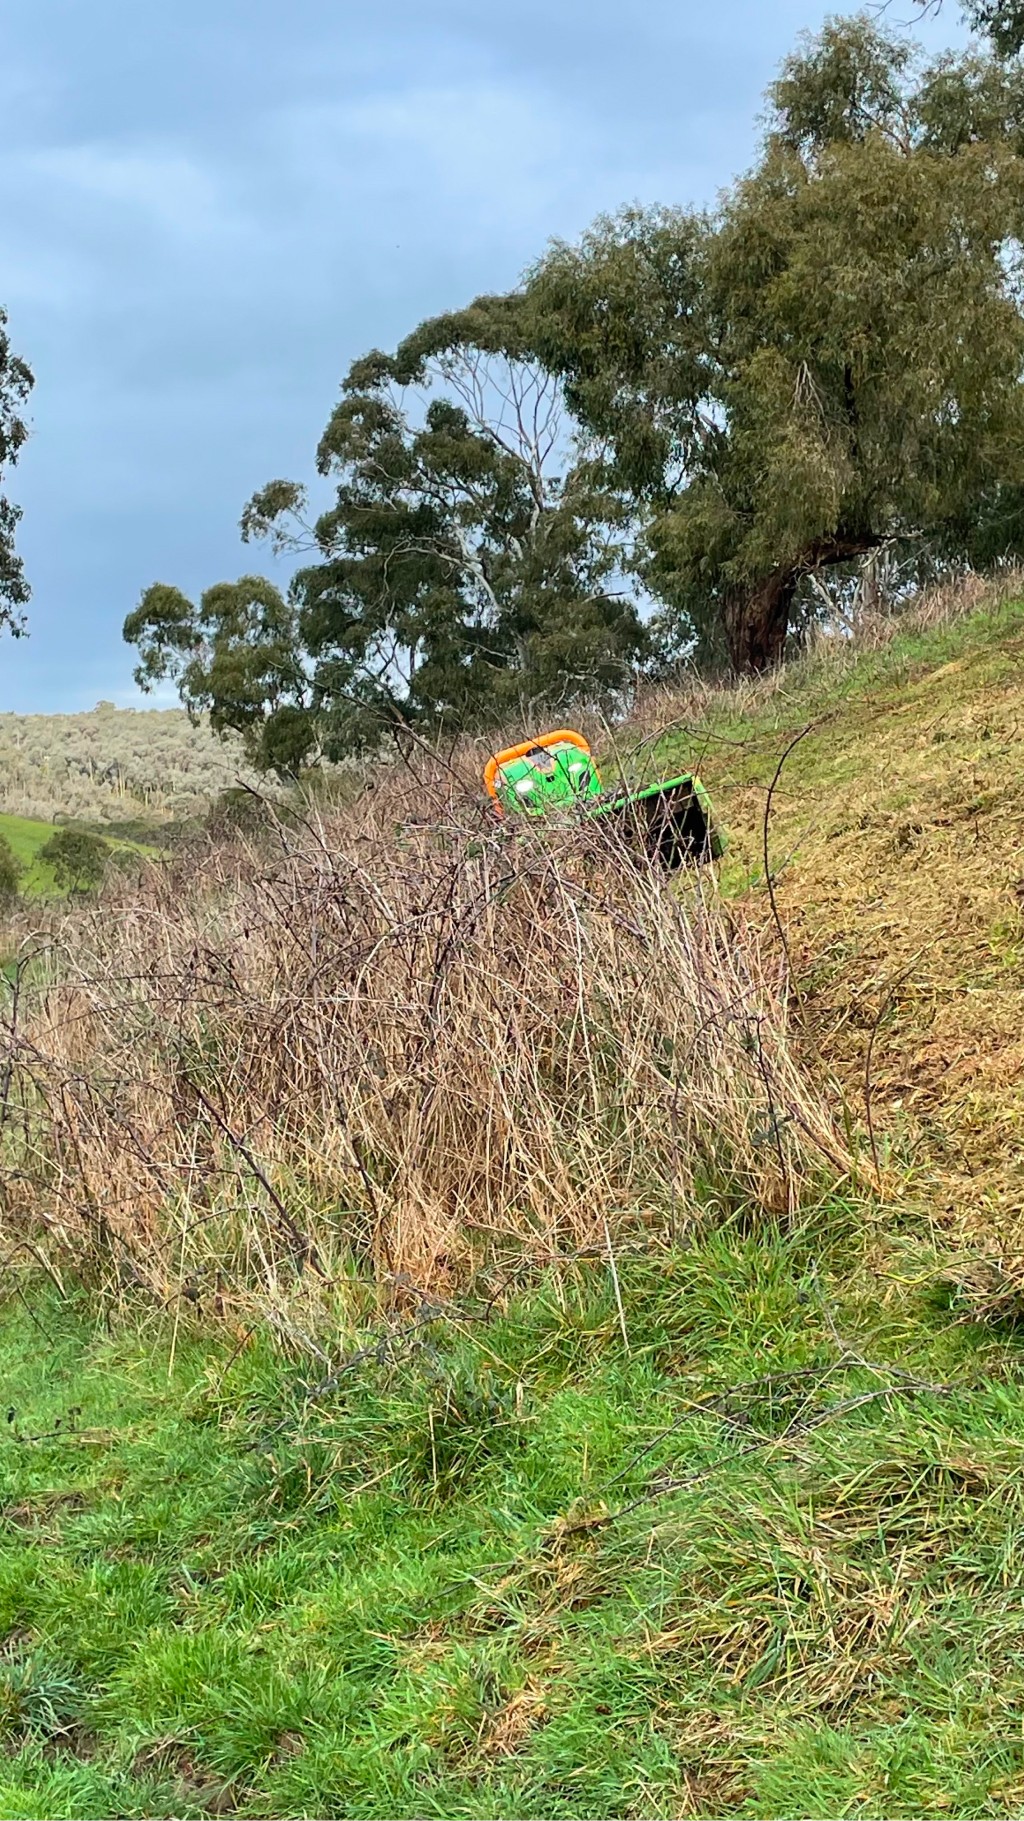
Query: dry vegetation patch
point(369, 1045)
point(392, 1037)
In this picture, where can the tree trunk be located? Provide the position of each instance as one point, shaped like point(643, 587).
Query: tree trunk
point(755, 621)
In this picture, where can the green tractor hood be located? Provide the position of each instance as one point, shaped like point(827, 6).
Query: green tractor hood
point(672, 821)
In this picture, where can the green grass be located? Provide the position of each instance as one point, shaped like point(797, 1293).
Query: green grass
point(815, 688)
point(851, 714)
point(25, 839)
point(218, 1594)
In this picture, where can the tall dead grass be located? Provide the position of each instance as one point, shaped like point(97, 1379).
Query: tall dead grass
point(831, 650)
point(386, 1046)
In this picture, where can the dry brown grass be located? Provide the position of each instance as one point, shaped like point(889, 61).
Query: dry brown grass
point(397, 1038)
point(390, 1047)
point(832, 652)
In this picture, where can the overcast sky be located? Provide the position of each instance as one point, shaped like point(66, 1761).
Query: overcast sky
point(208, 209)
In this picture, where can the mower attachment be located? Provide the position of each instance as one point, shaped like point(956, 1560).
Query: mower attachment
point(671, 821)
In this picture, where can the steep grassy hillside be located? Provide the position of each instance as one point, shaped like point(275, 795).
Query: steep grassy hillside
point(896, 843)
point(27, 837)
point(488, 1337)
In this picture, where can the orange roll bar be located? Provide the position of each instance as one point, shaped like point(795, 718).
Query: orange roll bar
point(561, 736)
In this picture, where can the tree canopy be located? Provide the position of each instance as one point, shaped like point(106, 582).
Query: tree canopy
point(10, 874)
point(15, 385)
point(1001, 20)
point(78, 859)
point(466, 564)
point(829, 361)
point(712, 407)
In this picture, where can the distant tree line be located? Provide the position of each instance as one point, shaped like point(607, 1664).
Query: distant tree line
point(665, 438)
point(113, 765)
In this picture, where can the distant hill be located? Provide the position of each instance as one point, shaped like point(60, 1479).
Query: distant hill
point(113, 765)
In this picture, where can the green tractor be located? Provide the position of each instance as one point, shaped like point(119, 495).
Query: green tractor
point(672, 821)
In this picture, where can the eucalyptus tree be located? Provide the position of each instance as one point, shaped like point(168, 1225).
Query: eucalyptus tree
point(827, 363)
point(465, 567)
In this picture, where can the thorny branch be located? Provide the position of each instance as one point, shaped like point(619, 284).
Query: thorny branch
point(811, 727)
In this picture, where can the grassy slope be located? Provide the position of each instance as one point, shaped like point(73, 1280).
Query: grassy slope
point(218, 1595)
point(897, 840)
point(26, 838)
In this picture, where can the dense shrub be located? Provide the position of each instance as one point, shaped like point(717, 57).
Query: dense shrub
point(248, 813)
point(10, 873)
point(398, 1048)
point(79, 859)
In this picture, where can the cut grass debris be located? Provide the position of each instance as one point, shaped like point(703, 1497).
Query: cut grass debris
point(896, 845)
point(456, 1580)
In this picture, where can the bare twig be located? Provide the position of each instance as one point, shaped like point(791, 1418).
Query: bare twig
point(876, 1023)
point(304, 1250)
point(811, 727)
